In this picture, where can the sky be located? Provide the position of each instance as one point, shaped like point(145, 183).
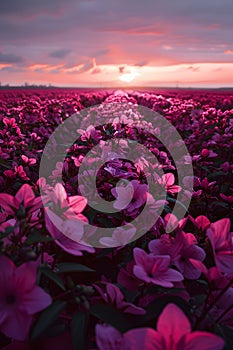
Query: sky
point(117, 43)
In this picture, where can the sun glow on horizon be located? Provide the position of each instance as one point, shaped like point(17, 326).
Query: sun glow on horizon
point(128, 77)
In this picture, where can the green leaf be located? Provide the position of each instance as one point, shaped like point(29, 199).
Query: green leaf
point(111, 316)
point(37, 237)
point(216, 175)
point(47, 317)
point(52, 276)
point(73, 267)
point(79, 330)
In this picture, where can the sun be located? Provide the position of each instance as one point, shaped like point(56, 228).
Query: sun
point(128, 77)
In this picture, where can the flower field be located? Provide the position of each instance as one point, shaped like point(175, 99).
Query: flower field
point(116, 213)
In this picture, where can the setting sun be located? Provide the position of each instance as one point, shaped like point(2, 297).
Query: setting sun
point(128, 77)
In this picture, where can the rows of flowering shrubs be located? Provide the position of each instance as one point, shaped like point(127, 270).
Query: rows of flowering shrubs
point(153, 291)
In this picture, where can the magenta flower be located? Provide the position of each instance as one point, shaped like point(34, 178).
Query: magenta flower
point(68, 233)
point(167, 181)
point(201, 222)
point(213, 275)
point(24, 196)
point(115, 297)
point(206, 185)
point(20, 298)
point(228, 199)
point(173, 333)
point(205, 153)
point(180, 249)
point(20, 171)
point(109, 338)
point(222, 244)
point(171, 222)
point(120, 237)
point(223, 308)
point(130, 197)
point(28, 161)
point(155, 269)
point(71, 206)
point(127, 278)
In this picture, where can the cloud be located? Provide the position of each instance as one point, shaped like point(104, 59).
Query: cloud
point(118, 33)
point(28, 7)
point(45, 68)
point(61, 53)
point(10, 58)
point(193, 69)
point(141, 63)
point(37, 67)
point(101, 53)
point(88, 66)
point(4, 66)
point(167, 47)
point(96, 70)
point(228, 52)
point(73, 69)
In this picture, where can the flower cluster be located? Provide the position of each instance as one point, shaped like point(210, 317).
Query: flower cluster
point(63, 285)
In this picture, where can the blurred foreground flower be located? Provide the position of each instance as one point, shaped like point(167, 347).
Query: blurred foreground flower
point(20, 298)
point(24, 196)
point(173, 333)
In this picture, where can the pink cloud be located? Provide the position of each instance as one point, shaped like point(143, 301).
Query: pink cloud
point(228, 52)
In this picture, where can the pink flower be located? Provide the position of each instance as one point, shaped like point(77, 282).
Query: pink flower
point(173, 333)
point(180, 249)
point(221, 241)
point(24, 196)
point(68, 234)
point(223, 308)
point(109, 338)
point(20, 171)
point(127, 278)
point(20, 298)
point(43, 186)
point(120, 237)
point(228, 199)
point(11, 122)
point(205, 153)
point(10, 174)
point(115, 297)
point(206, 185)
point(58, 171)
point(167, 181)
point(130, 197)
point(201, 222)
point(155, 269)
point(71, 206)
point(171, 223)
point(28, 161)
point(213, 274)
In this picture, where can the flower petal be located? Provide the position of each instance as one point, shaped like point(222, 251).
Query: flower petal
point(173, 324)
point(204, 341)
